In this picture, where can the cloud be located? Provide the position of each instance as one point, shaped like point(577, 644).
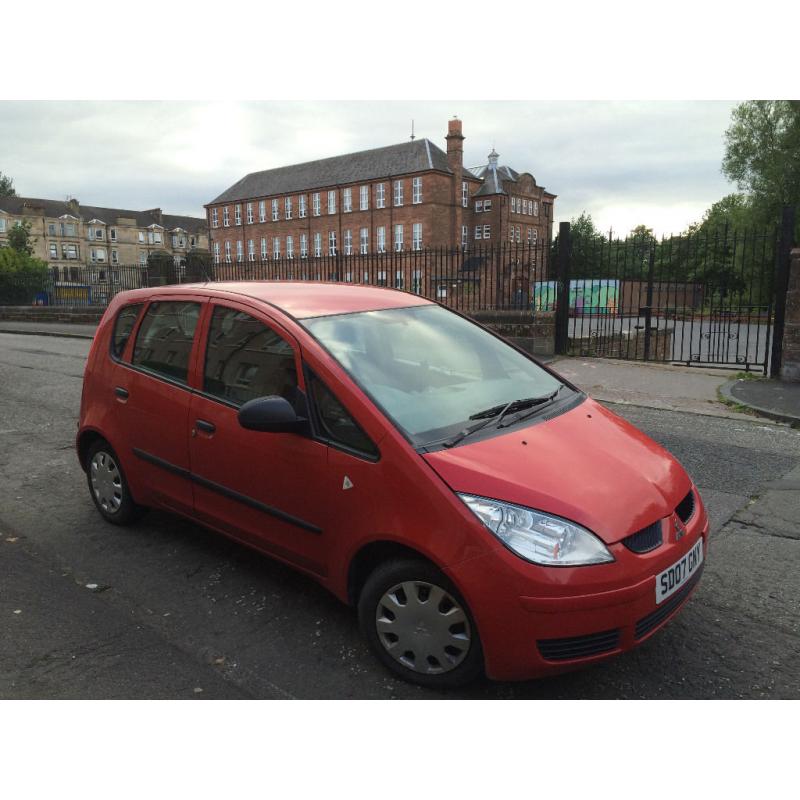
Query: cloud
point(626, 163)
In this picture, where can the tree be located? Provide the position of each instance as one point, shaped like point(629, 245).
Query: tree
point(587, 247)
point(19, 238)
point(22, 277)
point(6, 186)
point(762, 154)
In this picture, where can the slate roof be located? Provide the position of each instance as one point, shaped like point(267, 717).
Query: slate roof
point(382, 162)
point(54, 209)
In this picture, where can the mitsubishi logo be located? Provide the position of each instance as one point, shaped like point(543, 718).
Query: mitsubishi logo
point(680, 531)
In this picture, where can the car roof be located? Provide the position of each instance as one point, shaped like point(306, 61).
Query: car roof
point(303, 299)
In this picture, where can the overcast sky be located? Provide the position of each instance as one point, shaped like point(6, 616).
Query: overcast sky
point(625, 163)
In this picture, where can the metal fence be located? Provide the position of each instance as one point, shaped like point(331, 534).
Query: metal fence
point(494, 277)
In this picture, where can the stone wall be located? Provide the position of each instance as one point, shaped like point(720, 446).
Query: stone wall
point(790, 360)
point(535, 333)
point(77, 314)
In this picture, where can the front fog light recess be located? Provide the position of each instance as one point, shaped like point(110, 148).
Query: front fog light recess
point(538, 537)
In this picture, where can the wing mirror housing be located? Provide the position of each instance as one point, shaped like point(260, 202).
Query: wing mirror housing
point(272, 414)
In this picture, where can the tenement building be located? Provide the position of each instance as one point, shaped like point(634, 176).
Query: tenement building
point(70, 236)
point(404, 197)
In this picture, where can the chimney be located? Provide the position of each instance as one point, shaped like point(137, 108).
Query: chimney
point(155, 214)
point(74, 206)
point(455, 147)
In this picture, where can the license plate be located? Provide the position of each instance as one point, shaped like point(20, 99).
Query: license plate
point(673, 578)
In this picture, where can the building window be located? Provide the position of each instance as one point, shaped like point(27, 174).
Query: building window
point(363, 240)
point(513, 205)
point(381, 235)
point(301, 206)
point(464, 194)
point(363, 193)
point(287, 205)
point(251, 250)
point(237, 214)
point(380, 278)
point(240, 251)
point(214, 218)
point(416, 236)
point(51, 227)
point(380, 195)
point(478, 206)
point(143, 257)
point(228, 252)
point(478, 232)
point(519, 236)
point(487, 231)
point(535, 208)
point(113, 234)
point(53, 245)
point(398, 238)
point(315, 204)
point(510, 233)
point(115, 257)
point(290, 247)
point(317, 243)
point(332, 202)
point(216, 252)
point(275, 213)
point(262, 210)
point(141, 237)
point(464, 235)
point(332, 242)
point(487, 205)
point(276, 247)
point(303, 245)
point(398, 193)
point(347, 199)
point(263, 248)
point(416, 190)
point(535, 232)
point(226, 219)
point(399, 280)
point(348, 242)
point(249, 213)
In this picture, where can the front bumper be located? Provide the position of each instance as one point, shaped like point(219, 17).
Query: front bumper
point(534, 621)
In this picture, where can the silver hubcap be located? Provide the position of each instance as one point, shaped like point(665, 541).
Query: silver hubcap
point(423, 627)
point(106, 482)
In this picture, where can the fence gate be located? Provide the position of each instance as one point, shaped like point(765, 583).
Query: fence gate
point(710, 298)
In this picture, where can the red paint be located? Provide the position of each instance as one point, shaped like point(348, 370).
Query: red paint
point(587, 465)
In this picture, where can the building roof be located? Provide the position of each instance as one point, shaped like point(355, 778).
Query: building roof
point(382, 162)
point(20, 206)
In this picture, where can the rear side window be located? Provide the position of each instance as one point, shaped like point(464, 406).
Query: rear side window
point(164, 341)
point(246, 359)
point(123, 327)
point(335, 422)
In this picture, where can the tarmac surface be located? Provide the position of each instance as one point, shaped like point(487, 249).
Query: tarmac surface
point(779, 399)
point(167, 608)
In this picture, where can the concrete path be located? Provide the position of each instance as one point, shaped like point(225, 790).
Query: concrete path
point(689, 389)
point(67, 330)
point(772, 398)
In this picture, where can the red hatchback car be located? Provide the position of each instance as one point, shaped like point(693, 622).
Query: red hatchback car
point(482, 513)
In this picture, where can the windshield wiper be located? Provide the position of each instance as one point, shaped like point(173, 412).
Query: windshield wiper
point(540, 401)
point(496, 414)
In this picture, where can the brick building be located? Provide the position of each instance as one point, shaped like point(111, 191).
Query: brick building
point(404, 197)
point(76, 239)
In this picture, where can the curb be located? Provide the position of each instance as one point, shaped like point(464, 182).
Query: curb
point(725, 391)
point(62, 334)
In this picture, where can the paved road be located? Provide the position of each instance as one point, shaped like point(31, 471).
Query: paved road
point(180, 612)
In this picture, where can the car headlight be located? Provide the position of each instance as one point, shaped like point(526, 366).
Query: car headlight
point(538, 537)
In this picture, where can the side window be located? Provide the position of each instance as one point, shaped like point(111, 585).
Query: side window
point(164, 341)
point(123, 327)
point(336, 423)
point(245, 359)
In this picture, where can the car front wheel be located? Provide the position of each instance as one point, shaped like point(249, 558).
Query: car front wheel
point(419, 626)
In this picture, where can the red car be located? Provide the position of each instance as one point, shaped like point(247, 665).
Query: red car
point(481, 513)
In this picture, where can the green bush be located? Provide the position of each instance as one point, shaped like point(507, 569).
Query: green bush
point(22, 277)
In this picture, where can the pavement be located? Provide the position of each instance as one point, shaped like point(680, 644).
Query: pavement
point(67, 330)
point(166, 608)
point(771, 398)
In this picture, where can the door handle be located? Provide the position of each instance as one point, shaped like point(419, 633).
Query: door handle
point(206, 427)
point(121, 393)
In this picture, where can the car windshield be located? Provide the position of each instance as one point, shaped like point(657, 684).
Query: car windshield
point(430, 370)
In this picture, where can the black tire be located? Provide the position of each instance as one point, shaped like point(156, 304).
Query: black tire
point(465, 664)
point(126, 511)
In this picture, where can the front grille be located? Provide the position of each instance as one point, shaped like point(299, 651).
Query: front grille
point(655, 618)
point(645, 540)
point(591, 644)
point(685, 508)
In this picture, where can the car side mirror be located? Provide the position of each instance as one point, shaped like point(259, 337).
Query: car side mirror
point(272, 414)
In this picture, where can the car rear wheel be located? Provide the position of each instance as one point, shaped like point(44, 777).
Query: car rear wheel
point(419, 626)
point(108, 487)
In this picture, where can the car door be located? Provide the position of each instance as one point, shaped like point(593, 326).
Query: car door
point(264, 488)
point(155, 395)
